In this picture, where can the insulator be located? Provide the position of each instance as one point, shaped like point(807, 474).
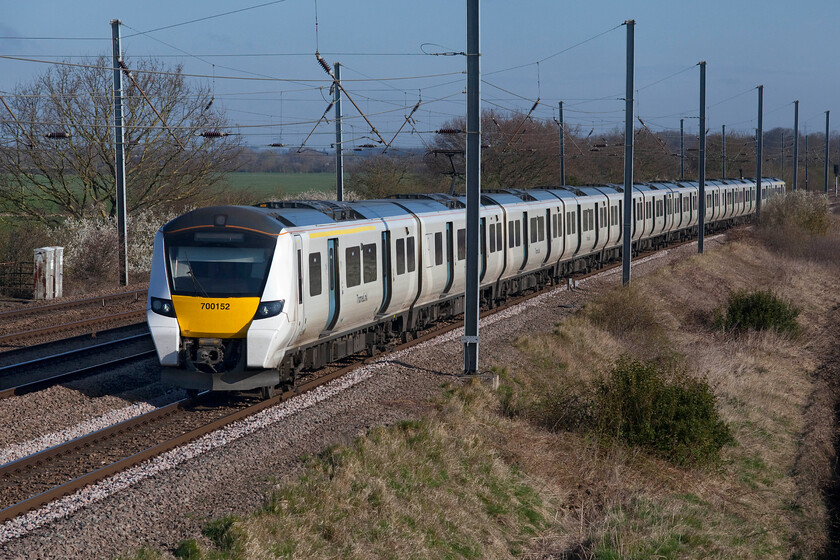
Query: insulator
point(57, 135)
point(367, 145)
point(209, 104)
point(537, 102)
point(324, 64)
point(276, 145)
point(449, 131)
point(214, 134)
point(600, 145)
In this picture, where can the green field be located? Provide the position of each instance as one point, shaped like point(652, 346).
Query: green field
point(274, 185)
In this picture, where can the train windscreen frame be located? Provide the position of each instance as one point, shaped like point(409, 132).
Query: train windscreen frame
point(216, 264)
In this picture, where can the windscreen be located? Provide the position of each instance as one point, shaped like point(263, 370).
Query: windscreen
point(218, 264)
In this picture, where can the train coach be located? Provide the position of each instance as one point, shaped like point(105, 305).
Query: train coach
point(244, 298)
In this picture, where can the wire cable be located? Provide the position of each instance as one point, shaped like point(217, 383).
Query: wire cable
point(209, 17)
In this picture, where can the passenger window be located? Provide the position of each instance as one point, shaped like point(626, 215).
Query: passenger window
point(492, 236)
point(314, 274)
point(400, 256)
point(438, 248)
point(541, 227)
point(369, 261)
point(353, 265)
point(410, 256)
point(462, 244)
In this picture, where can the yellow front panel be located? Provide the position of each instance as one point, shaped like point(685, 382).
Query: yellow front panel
point(214, 317)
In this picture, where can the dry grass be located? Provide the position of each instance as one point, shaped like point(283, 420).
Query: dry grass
point(763, 499)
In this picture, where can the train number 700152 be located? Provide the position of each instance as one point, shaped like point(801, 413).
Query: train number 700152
point(216, 306)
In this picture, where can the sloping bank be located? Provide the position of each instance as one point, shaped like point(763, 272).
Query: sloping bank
point(548, 466)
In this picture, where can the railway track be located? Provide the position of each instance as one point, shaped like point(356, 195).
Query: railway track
point(87, 303)
point(40, 373)
point(89, 326)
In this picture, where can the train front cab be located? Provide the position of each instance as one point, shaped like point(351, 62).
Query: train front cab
point(219, 299)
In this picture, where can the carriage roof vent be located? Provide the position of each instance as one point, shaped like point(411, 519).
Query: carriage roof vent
point(447, 200)
point(338, 211)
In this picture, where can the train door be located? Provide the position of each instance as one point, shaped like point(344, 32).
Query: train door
point(450, 260)
point(386, 271)
point(483, 248)
point(301, 314)
point(524, 239)
point(548, 233)
point(334, 288)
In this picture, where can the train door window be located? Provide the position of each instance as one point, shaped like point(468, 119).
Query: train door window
point(300, 277)
point(648, 210)
point(500, 241)
point(369, 262)
point(492, 235)
point(518, 233)
point(314, 274)
point(585, 221)
point(511, 235)
point(533, 230)
point(400, 256)
point(411, 260)
point(438, 248)
point(541, 228)
point(554, 225)
point(353, 266)
point(603, 216)
point(462, 244)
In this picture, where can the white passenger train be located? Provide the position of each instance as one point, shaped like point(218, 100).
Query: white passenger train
point(245, 297)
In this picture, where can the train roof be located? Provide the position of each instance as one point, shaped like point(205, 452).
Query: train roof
point(244, 217)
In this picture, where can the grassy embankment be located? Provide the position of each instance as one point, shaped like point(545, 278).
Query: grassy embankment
point(532, 471)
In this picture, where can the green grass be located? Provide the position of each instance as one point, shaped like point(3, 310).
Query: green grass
point(274, 185)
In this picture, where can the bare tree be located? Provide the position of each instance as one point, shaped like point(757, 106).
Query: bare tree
point(73, 173)
point(517, 152)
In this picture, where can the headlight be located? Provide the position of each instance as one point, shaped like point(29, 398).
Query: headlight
point(269, 309)
point(163, 307)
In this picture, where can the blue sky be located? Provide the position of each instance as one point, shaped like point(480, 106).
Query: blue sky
point(789, 48)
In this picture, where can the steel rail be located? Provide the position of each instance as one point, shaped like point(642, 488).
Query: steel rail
point(87, 302)
point(47, 382)
point(8, 339)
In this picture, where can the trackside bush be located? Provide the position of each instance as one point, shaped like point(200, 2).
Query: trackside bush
point(759, 310)
point(667, 412)
point(797, 210)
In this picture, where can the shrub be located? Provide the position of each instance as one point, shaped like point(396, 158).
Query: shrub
point(90, 244)
point(188, 550)
point(759, 310)
point(797, 210)
point(663, 410)
point(221, 532)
